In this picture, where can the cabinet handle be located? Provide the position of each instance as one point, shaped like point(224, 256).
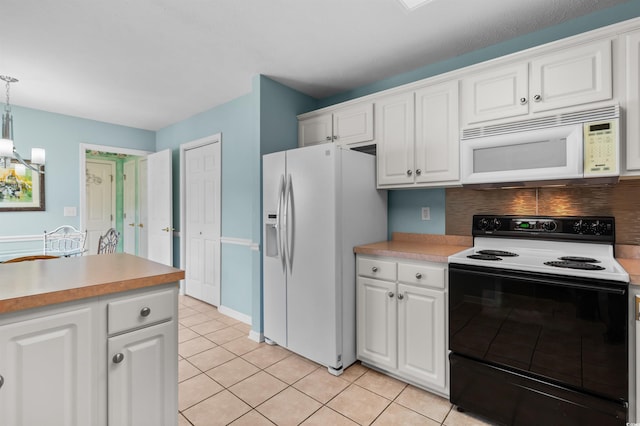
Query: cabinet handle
point(400, 296)
point(523, 101)
point(329, 138)
point(335, 138)
point(118, 358)
point(390, 294)
point(144, 312)
point(1, 380)
point(409, 172)
point(374, 269)
point(537, 98)
point(418, 275)
point(418, 172)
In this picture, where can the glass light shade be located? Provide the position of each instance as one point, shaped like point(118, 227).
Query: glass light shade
point(21, 170)
point(6, 148)
point(37, 155)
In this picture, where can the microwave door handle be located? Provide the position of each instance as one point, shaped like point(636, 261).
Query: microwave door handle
point(279, 223)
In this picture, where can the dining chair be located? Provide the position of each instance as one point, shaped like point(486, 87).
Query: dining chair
point(64, 241)
point(108, 242)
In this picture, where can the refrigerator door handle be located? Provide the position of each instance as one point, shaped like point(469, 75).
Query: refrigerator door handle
point(288, 204)
point(279, 222)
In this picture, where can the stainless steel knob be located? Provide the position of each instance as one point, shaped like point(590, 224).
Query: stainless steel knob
point(409, 172)
point(1, 380)
point(335, 138)
point(418, 275)
point(400, 296)
point(418, 172)
point(144, 312)
point(328, 138)
point(118, 358)
point(523, 101)
point(374, 269)
point(537, 98)
point(390, 294)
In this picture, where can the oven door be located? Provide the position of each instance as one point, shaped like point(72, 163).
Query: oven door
point(566, 331)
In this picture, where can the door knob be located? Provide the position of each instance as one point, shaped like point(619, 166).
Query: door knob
point(523, 101)
point(118, 358)
point(144, 312)
point(537, 98)
point(390, 294)
point(419, 172)
point(418, 275)
point(132, 224)
point(141, 225)
point(167, 229)
point(409, 172)
point(400, 296)
point(374, 269)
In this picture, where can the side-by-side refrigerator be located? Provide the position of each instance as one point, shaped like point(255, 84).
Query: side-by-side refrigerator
point(318, 203)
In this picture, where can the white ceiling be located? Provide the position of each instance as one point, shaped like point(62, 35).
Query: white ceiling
point(152, 63)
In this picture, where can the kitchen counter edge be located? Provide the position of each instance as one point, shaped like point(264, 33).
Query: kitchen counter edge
point(38, 283)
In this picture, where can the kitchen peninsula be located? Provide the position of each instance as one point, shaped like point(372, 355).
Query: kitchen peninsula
point(88, 340)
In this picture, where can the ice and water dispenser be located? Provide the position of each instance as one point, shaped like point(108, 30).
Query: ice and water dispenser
point(271, 235)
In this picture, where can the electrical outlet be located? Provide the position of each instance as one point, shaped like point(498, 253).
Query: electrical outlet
point(426, 213)
point(70, 211)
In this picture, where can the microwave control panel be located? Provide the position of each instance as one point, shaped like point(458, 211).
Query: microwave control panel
point(601, 156)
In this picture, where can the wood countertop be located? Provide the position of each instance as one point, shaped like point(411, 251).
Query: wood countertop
point(32, 284)
point(428, 247)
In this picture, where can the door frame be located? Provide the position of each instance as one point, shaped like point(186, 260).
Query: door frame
point(83, 167)
point(113, 212)
point(207, 140)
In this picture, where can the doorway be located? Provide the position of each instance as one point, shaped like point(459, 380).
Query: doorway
point(200, 207)
point(101, 200)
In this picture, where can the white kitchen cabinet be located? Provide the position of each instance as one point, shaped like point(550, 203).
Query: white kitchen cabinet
point(47, 366)
point(142, 374)
point(345, 126)
point(417, 137)
point(572, 76)
point(57, 362)
point(401, 320)
point(632, 81)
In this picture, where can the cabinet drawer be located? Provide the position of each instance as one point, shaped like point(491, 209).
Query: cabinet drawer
point(379, 269)
point(140, 311)
point(430, 276)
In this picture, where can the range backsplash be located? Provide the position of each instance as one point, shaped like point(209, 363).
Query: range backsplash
point(621, 201)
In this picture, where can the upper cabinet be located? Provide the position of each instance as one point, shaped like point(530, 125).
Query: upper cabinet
point(632, 81)
point(346, 126)
point(564, 78)
point(417, 137)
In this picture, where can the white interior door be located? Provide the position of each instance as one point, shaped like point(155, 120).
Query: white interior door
point(202, 209)
point(101, 203)
point(160, 214)
point(143, 208)
point(129, 208)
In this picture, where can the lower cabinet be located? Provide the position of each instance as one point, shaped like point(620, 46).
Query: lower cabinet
point(47, 370)
point(401, 320)
point(141, 375)
point(61, 365)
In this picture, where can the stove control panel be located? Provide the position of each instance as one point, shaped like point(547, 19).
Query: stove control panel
point(589, 228)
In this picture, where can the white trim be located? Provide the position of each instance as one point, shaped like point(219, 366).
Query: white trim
point(240, 242)
point(207, 140)
point(234, 314)
point(83, 166)
point(256, 337)
point(17, 238)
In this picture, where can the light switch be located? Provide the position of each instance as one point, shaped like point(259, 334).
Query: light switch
point(70, 211)
point(426, 213)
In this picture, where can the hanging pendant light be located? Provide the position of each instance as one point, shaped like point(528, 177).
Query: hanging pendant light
point(7, 148)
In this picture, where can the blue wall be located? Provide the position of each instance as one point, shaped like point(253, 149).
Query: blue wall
point(61, 136)
point(405, 206)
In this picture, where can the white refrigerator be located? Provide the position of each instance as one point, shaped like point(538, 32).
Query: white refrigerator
point(318, 203)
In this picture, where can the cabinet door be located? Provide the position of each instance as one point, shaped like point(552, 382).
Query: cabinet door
point(437, 140)
point(421, 334)
point(633, 100)
point(49, 376)
point(376, 322)
point(144, 381)
point(315, 130)
point(394, 130)
point(572, 76)
point(498, 93)
point(353, 124)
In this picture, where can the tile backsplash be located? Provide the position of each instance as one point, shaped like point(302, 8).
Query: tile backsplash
point(621, 201)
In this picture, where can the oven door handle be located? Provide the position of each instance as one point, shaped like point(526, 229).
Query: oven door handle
point(547, 281)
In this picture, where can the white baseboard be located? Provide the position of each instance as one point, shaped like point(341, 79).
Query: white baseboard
point(234, 314)
point(256, 337)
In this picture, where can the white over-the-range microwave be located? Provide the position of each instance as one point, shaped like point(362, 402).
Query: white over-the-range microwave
point(571, 148)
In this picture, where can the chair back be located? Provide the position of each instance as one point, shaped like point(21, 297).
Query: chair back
point(108, 242)
point(64, 241)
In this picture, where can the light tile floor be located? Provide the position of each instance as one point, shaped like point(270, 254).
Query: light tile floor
point(226, 378)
